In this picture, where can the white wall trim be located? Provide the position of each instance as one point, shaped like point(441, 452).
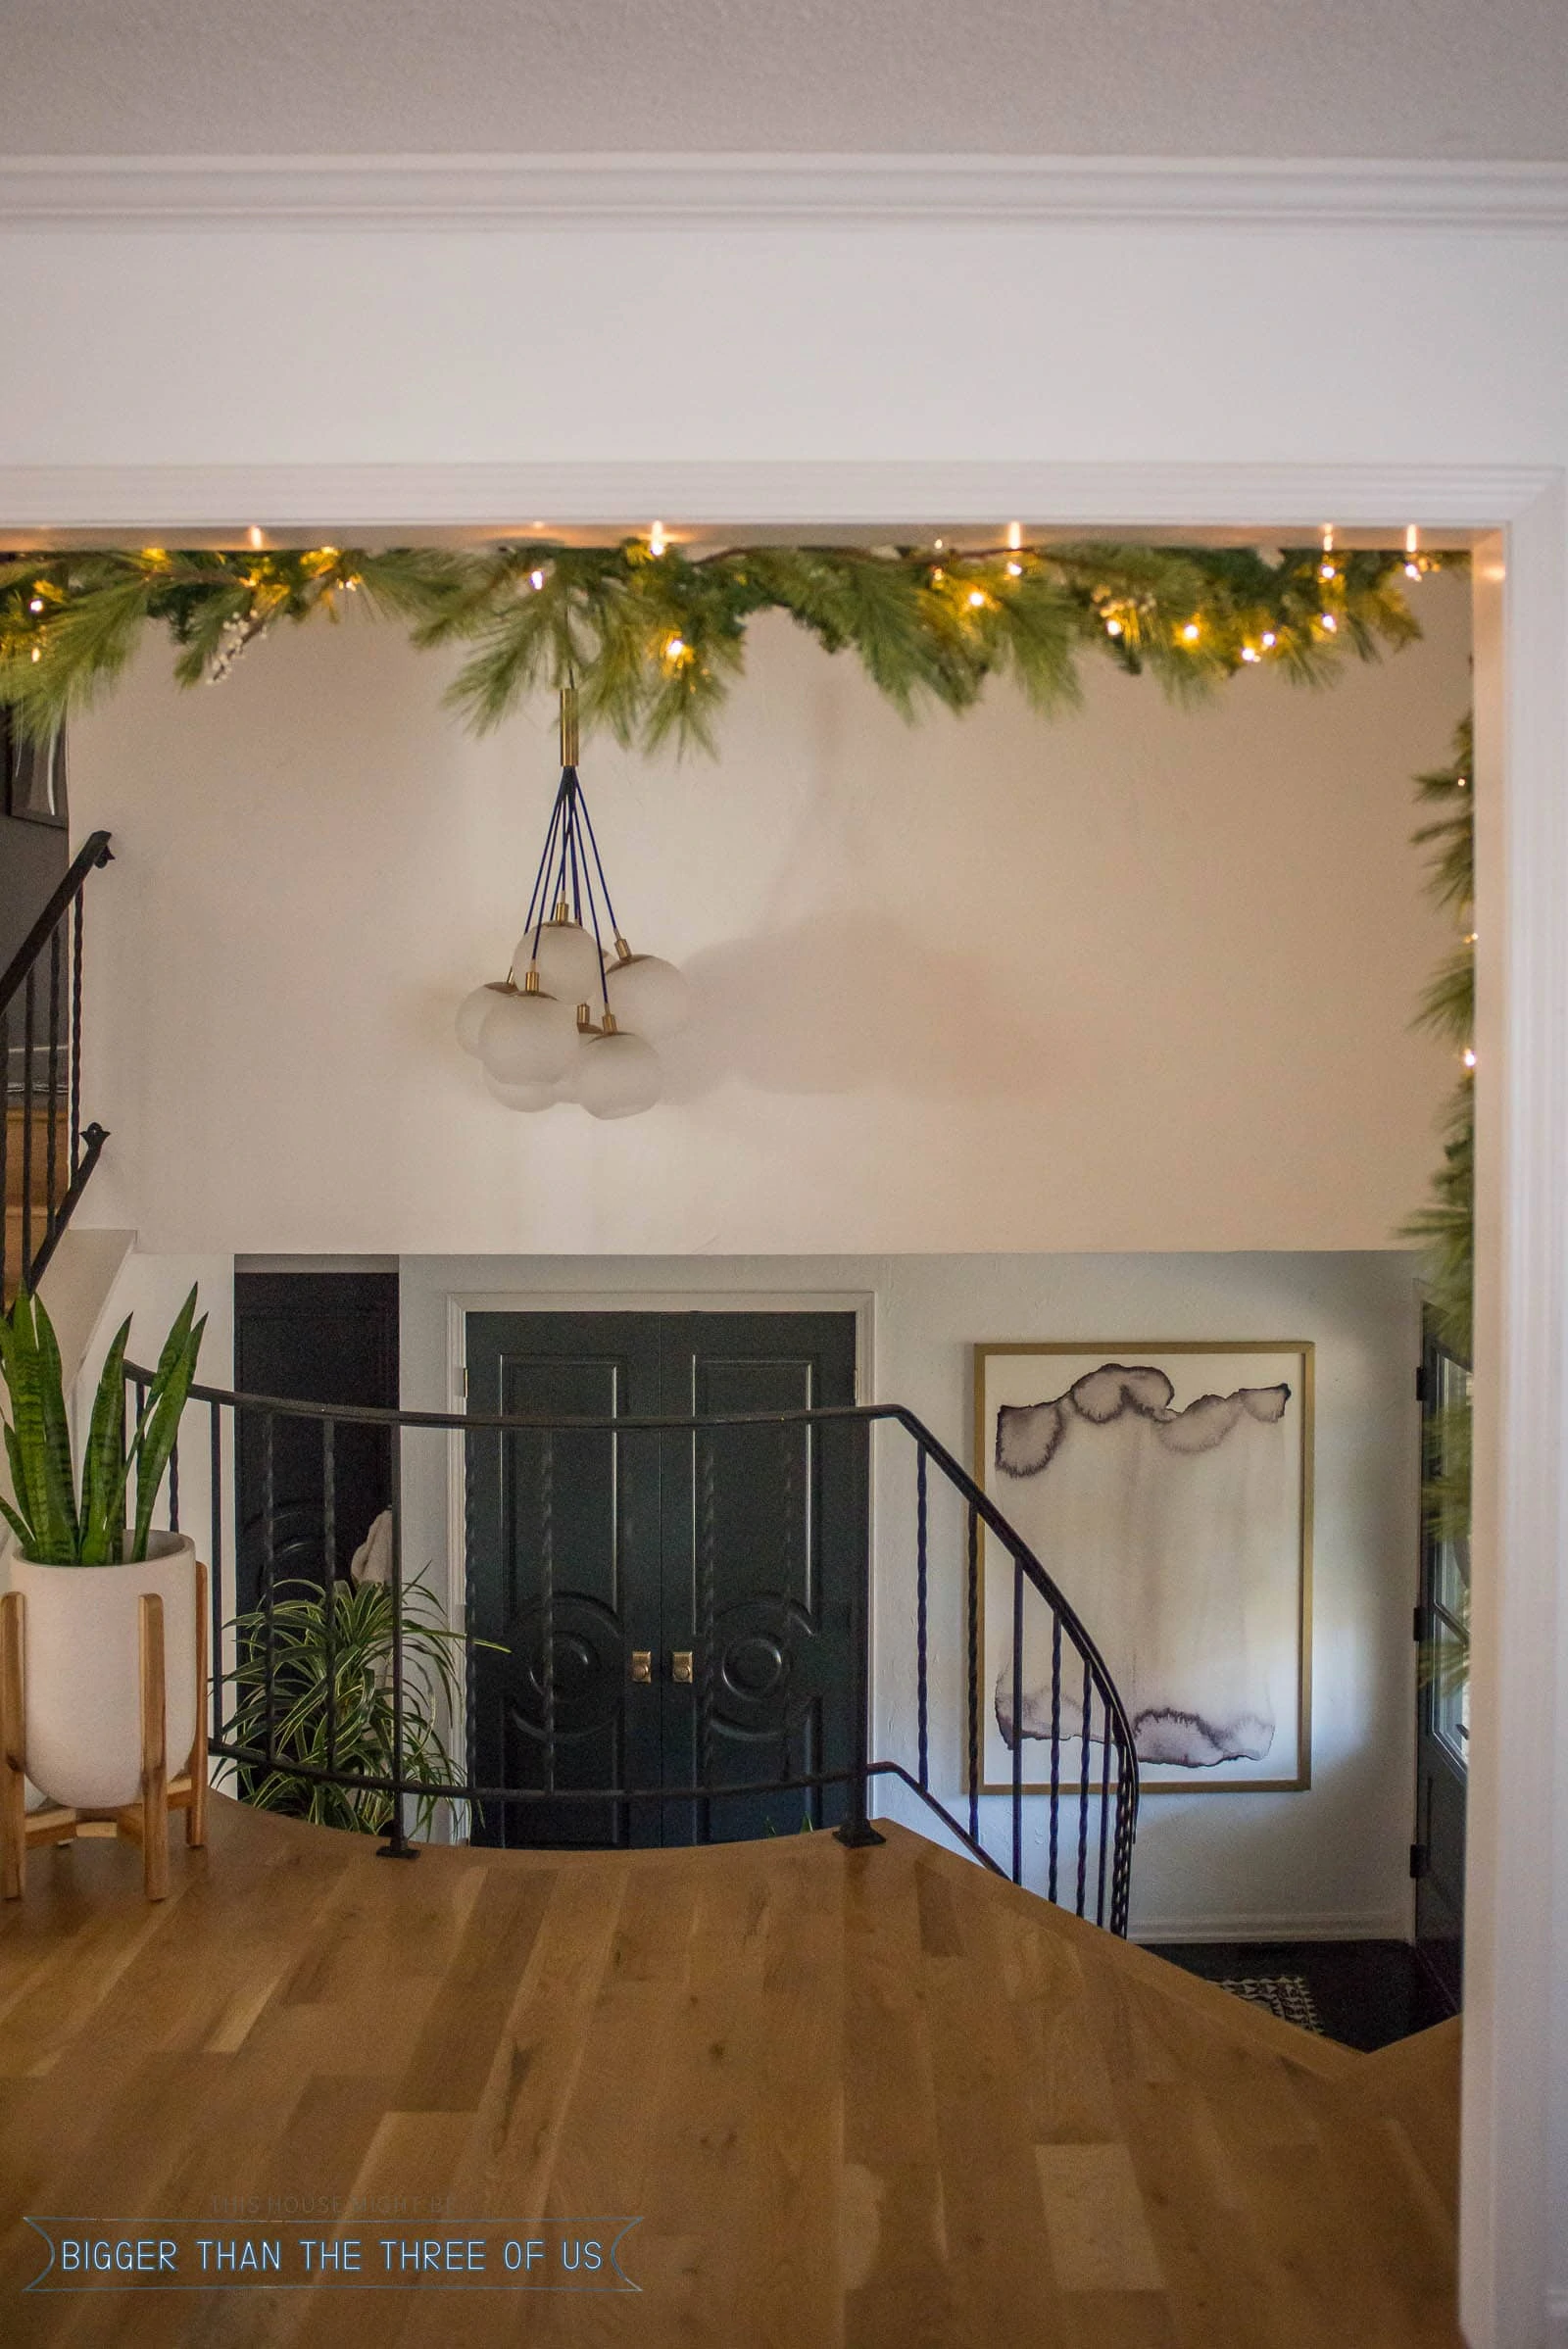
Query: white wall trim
point(1328, 1925)
point(475, 191)
point(495, 498)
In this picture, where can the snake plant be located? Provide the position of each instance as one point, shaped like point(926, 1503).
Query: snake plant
point(56, 1521)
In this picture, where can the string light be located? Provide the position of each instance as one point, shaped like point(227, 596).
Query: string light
point(37, 652)
point(256, 539)
point(1461, 782)
point(536, 579)
point(1329, 622)
point(675, 647)
point(936, 546)
point(1191, 633)
point(1468, 1055)
point(1413, 568)
point(1015, 571)
point(36, 604)
point(1247, 653)
point(1016, 536)
point(1270, 640)
point(656, 541)
point(977, 599)
point(1113, 628)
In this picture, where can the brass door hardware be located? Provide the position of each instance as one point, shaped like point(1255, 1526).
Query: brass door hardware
point(680, 1666)
point(642, 1665)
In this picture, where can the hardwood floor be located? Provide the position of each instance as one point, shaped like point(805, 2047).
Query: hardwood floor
point(871, 2098)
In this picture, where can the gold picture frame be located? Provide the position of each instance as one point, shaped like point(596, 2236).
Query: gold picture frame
point(1156, 1778)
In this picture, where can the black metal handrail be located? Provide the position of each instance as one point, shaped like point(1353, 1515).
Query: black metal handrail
point(1086, 1711)
point(40, 1076)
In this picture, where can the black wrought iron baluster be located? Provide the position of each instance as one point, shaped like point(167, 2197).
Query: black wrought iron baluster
point(51, 1137)
point(1104, 1801)
point(269, 1554)
point(215, 1433)
point(1017, 1722)
point(973, 1601)
point(1056, 1750)
point(856, 1829)
point(787, 1435)
point(922, 1694)
point(76, 1037)
point(397, 1845)
point(1083, 1788)
point(707, 1579)
point(330, 1579)
point(25, 1269)
point(547, 1600)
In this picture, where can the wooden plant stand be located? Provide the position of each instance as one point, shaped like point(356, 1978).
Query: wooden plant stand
point(145, 1821)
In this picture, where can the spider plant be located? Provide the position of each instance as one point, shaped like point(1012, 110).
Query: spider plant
point(56, 1522)
point(315, 1687)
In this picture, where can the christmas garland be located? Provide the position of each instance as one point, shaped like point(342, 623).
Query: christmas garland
point(1446, 1225)
point(653, 635)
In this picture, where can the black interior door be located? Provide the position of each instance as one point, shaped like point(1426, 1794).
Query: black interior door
point(694, 1588)
point(324, 1338)
point(1443, 1716)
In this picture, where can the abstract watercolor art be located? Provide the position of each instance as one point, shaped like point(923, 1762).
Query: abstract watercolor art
point(1167, 1489)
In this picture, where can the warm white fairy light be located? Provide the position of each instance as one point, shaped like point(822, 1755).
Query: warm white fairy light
point(256, 539)
point(1412, 547)
point(1270, 640)
point(1248, 653)
point(977, 599)
point(1015, 536)
point(1468, 1055)
point(36, 605)
point(1191, 633)
point(536, 580)
point(1113, 628)
point(656, 541)
point(675, 647)
point(1329, 622)
point(1015, 571)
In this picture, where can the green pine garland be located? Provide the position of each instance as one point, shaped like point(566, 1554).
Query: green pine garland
point(653, 636)
point(1445, 1226)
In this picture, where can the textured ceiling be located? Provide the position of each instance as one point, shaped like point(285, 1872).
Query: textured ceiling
point(1425, 79)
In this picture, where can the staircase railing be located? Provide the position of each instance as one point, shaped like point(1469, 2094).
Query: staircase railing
point(46, 1153)
point(1081, 1814)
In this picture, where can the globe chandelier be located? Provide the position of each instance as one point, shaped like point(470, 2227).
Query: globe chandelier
point(583, 1022)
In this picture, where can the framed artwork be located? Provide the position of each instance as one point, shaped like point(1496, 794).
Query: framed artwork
point(1167, 1491)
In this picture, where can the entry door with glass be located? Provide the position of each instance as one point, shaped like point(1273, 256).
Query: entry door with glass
point(693, 1588)
point(1443, 1701)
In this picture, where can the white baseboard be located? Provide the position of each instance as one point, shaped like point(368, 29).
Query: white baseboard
point(1332, 1925)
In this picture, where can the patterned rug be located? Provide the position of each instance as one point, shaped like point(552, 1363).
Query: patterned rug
point(1284, 1994)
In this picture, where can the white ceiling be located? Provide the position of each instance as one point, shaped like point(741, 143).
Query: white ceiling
point(1421, 78)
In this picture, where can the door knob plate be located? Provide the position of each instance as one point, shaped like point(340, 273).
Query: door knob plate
point(680, 1666)
point(642, 1665)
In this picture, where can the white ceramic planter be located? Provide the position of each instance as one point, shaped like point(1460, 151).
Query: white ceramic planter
point(82, 1666)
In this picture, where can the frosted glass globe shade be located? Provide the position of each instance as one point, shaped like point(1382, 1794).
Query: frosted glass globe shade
point(618, 1076)
point(472, 1012)
point(529, 1039)
point(522, 1097)
point(648, 996)
point(568, 960)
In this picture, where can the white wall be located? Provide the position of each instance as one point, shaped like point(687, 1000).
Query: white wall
point(1330, 1861)
point(1135, 978)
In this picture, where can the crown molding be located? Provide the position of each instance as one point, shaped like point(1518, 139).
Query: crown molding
point(42, 504)
point(500, 191)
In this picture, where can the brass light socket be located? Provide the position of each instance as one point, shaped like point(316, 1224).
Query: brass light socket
point(569, 725)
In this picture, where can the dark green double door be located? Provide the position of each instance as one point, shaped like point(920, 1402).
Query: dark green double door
point(694, 1589)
